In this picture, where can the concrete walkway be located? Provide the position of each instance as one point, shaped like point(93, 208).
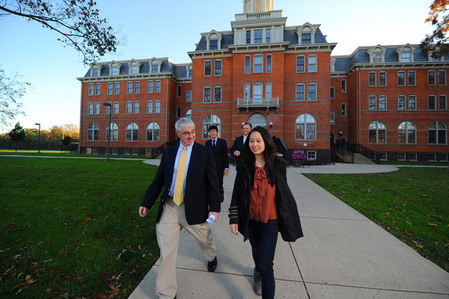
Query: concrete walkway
point(343, 254)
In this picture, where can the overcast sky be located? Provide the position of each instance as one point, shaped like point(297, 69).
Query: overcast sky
point(171, 28)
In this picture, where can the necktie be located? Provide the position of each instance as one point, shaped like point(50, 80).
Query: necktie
point(213, 143)
point(180, 175)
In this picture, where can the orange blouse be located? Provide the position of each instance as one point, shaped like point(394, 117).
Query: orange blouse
point(263, 198)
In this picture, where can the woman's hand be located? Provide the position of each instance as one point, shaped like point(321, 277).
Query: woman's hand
point(234, 229)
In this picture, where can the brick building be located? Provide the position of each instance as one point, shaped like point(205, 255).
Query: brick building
point(389, 102)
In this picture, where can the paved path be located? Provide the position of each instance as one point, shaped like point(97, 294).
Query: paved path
point(343, 254)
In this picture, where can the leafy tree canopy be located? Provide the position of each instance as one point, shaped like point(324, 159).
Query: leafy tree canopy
point(437, 42)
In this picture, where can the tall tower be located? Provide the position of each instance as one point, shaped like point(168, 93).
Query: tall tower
point(252, 6)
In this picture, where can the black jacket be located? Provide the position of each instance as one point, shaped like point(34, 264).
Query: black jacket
point(289, 224)
point(220, 154)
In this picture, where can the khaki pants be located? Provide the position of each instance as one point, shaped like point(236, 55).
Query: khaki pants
point(172, 221)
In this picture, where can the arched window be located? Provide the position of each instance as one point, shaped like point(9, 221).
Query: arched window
point(377, 132)
point(437, 133)
point(153, 132)
point(305, 127)
point(189, 113)
point(258, 120)
point(92, 132)
point(211, 120)
point(114, 132)
point(407, 132)
point(132, 131)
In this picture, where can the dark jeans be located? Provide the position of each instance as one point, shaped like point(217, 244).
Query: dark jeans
point(263, 238)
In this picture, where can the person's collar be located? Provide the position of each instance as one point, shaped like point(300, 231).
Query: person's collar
point(188, 147)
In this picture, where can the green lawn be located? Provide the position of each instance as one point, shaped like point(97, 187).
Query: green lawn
point(69, 227)
point(412, 204)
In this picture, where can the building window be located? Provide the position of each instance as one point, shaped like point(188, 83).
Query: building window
point(217, 94)
point(258, 36)
point(442, 77)
point(257, 92)
point(114, 70)
point(407, 132)
point(312, 67)
point(431, 78)
point(136, 107)
point(382, 103)
point(189, 96)
point(442, 103)
point(91, 89)
point(132, 132)
point(154, 67)
point(432, 102)
point(137, 87)
point(332, 117)
point(258, 64)
point(269, 63)
point(90, 108)
point(382, 78)
point(153, 132)
point(97, 89)
point(305, 127)
point(247, 64)
point(377, 132)
point(110, 87)
point(343, 109)
point(97, 108)
point(116, 108)
point(158, 86)
point(247, 91)
point(343, 86)
point(411, 102)
point(114, 132)
point(306, 38)
point(411, 78)
point(211, 120)
point(311, 155)
point(402, 103)
point(217, 68)
point(267, 35)
point(437, 133)
point(150, 86)
point(129, 107)
point(372, 105)
point(300, 64)
point(332, 93)
point(406, 56)
point(300, 90)
point(157, 106)
point(92, 132)
point(150, 107)
point(179, 92)
point(134, 69)
point(258, 120)
point(129, 87)
point(372, 79)
point(213, 44)
point(178, 111)
point(401, 78)
point(189, 113)
point(189, 72)
point(108, 108)
point(206, 95)
point(248, 36)
point(207, 68)
point(116, 87)
point(311, 92)
point(95, 72)
point(268, 90)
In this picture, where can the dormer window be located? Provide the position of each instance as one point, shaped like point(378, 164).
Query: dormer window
point(96, 70)
point(377, 55)
point(405, 54)
point(115, 69)
point(189, 71)
point(214, 40)
point(134, 67)
point(306, 34)
point(155, 66)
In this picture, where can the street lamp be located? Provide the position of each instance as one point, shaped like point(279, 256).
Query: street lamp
point(108, 136)
point(39, 143)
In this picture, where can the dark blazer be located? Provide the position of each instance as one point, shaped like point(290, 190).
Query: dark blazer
point(237, 145)
point(220, 154)
point(289, 224)
point(201, 193)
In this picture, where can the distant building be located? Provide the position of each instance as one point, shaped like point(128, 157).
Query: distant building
point(387, 101)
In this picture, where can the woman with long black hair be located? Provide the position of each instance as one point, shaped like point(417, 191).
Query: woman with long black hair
point(262, 205)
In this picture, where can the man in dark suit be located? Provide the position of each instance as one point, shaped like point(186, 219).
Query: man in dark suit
point(188, 180)
point(220, 150)
point(236, 149)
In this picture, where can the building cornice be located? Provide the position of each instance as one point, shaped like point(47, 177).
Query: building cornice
point(127, 77)
point(311, 48)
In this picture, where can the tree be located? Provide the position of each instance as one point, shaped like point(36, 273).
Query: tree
point(11, 91)
point(17, 135)
point(77, 21)
point(437, 42)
